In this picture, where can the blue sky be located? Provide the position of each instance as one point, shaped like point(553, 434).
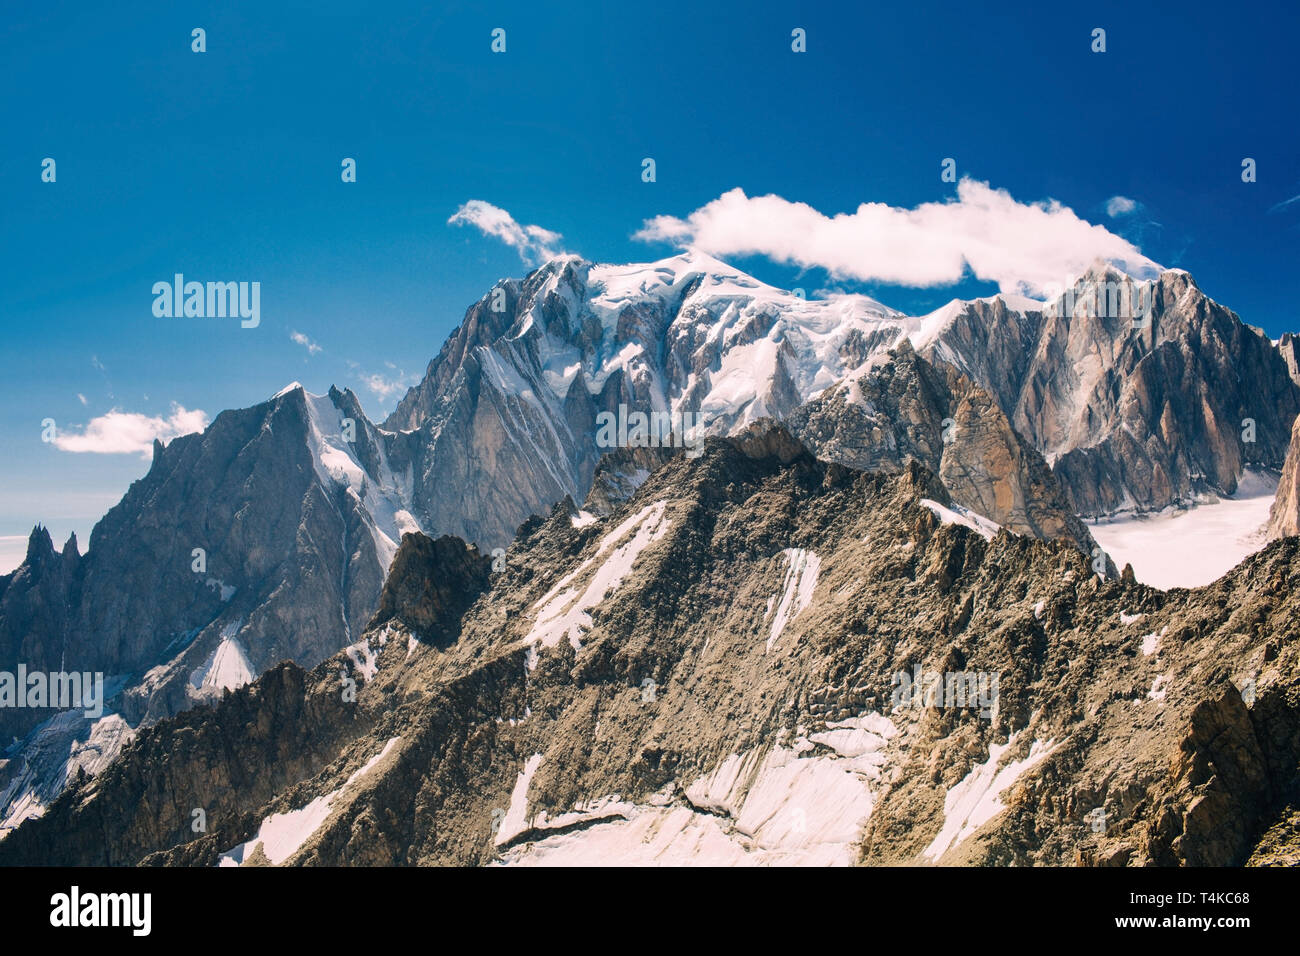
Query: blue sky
point(225, 165)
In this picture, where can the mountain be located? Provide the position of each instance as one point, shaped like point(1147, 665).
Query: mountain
point(298, 504)
point(907, 409)
point(297, 528)
point(1129, 415)
point(508, 409)
point(721, 671)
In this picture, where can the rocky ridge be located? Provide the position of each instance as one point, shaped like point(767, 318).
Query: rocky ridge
point(709, 674)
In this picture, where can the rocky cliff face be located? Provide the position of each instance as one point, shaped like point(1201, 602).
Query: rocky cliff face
point(1288, 346)
point(721, 671)
point(1284, 516)
point(1140, 394)
point(287, 519)
point(909, 410)
point(432, 584)
point(37, 606)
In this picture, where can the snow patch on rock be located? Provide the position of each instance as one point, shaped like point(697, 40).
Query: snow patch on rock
point(281, 835)
point(516, 819)
point(565, 610)
point(963, 516)
point(802, 568)
point(227, 667)
point(974, 800)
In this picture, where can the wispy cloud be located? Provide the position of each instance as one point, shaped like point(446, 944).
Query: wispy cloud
point(1284, 203)
point(300, 339)
point(99, 367)
point(1117, 206)
point(384, 388)
point(533, 243)
point(126, 433)
point(1024, 247)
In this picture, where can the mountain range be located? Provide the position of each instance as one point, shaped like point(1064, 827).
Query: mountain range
point(269, 537)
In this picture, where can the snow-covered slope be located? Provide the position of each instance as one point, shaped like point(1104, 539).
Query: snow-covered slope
point(732, 344)
point(504, 422)
point(688, 333)
point(1190, 547)
point(34, 772)
point(382, 496)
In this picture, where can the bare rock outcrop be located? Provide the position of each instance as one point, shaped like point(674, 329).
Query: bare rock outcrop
point(909, 409)
point(1139, 393)
point(1284, 515)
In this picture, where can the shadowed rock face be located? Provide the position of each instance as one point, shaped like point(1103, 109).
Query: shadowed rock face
point(430, 586)
point(708, 674)
point(37, 601)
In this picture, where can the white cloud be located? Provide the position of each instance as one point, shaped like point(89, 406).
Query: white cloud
point(385, 387)
point(82, 398)
point(533, 243)
point(125, 433)
point(1032, 248)
point(1120, 206)
point(311, 347)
